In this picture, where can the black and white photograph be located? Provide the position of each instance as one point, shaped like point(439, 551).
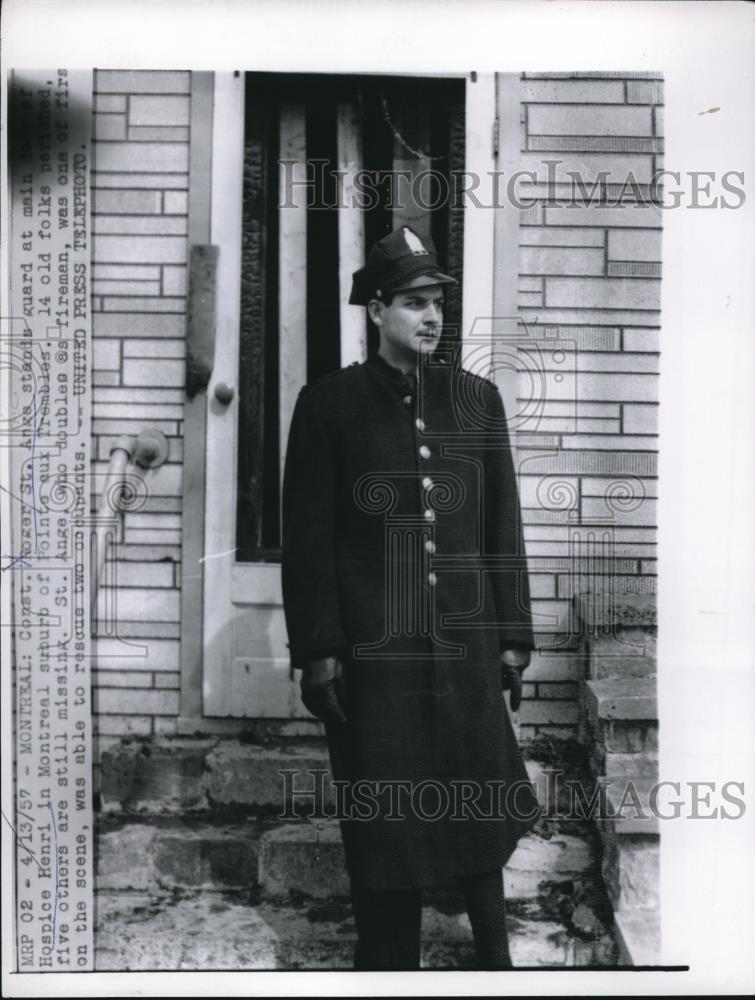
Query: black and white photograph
point(356, 513)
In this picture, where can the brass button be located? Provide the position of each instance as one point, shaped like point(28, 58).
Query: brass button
point(429, 545)
point(427, 483)
point(429, 515)
point(407, 401)
point(432, 579)
point(419, 424)
point(425, 451)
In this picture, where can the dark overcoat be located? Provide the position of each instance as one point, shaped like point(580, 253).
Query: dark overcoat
point(403, 552)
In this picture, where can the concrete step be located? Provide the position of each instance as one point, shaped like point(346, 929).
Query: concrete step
point(181, 776)
point(215, 932)
point(184, 775)
point(297, 857)
point(171, 852)
point(623, 698)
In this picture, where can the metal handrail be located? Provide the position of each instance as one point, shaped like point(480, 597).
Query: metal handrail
point(149, 450)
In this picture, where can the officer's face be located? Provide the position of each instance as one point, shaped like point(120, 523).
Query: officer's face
point(411, 325)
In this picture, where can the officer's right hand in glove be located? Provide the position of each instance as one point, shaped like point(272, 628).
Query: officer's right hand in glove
point(511, 680)
point(323, 688)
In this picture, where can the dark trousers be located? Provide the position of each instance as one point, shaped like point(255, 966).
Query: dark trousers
point(389, 924)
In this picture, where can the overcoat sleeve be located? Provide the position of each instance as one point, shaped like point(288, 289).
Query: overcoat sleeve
point(308, 572)
point(504, 538)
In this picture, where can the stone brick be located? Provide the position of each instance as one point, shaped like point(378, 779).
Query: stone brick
point(140, 81)
point(141, 305)
point(144, 412)
point(641, 419)
point(244, 775)
point(638, 937)
point(645, 216)
point(137, 702)
point(595, 144)
point(631, 872)
point(149, 225)
point(553, 236)
point(137, 602)
point(644, 92)
point(153, 372)
point(145, 574)
point(641, 340)
point(110, 102)
point(164, 778)
point(595, 508)
point(641, 488)
point(578, 315)
point(287, 861)
point(155, 655)
point(154, 349)
point(530, 284)
point(544, 491)
point(619, 736)
point(159, 110)
point(211, 857)
point(658, 114)
point(125, 203)
point(126, 272)
point(629, 386)
point(637, 244)
point(140, 249)
point(630, 764)
point(159, 133)
point(126, 288)
point(122, 725)
point(566, 119)
point(608, 361)
point(140, 181)
point(122, 679)
point(171, 157)
point(627, 611)
point(141, 519)
point(138, 395)
point(175, 202)
point(555, 667)
point(590, 462)
point(546, 691)
point(124, 858)
point(174, 281)
point(148, 630)
point(107, 354)
point(152, 536)
point(568, 168)
point(543, 712)
point(633, 269)
point(573, 91)
point(560, 260)
point(602, 293)
point(168, 681)
point(109, 127)
point(164, 726)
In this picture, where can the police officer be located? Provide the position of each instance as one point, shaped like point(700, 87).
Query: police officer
point(408, 612)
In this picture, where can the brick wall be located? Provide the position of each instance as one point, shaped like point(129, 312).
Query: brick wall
point(140, 192)
point(589, 294)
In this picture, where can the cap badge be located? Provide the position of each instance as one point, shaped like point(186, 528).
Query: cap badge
point(414, 243)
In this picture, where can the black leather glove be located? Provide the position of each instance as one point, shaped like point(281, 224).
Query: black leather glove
point(511, 680)
point(513, 662)
point(323, 689)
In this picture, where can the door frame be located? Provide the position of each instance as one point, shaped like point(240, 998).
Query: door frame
point(489, 289)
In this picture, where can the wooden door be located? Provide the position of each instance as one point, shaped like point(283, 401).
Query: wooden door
point(290, 232)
